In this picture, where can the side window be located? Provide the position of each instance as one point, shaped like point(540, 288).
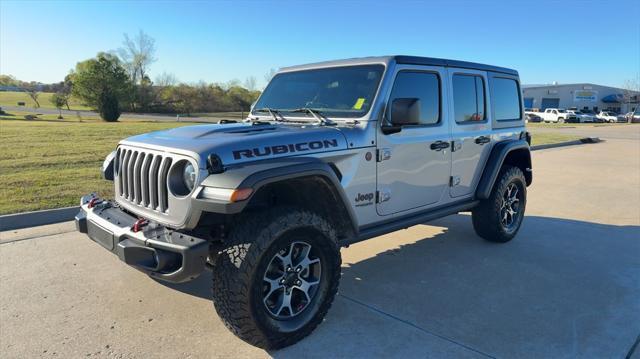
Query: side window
point(468, 98)
point(424, 86)
point(505, 97)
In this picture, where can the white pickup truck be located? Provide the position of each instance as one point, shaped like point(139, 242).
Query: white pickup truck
point(557, 115)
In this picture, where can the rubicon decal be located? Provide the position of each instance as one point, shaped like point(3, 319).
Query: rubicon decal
point(282, 149)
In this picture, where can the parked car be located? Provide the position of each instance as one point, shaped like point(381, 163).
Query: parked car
point(532, 117)
point(266, 204)
point(636, 117)
point(556, 115)
point(628, 116)
point(607, 116)
point(581, 117)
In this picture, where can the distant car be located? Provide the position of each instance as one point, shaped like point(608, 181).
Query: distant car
point(636, 117)
point(607, 116)
point(556, 115)
point(532, 117)
point(580, 117)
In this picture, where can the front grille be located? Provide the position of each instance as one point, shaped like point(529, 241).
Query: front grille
point(142, 178)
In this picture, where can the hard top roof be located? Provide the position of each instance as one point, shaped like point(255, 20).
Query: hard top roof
point(401, 59)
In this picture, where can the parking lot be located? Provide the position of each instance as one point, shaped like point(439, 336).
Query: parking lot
point(567, 286)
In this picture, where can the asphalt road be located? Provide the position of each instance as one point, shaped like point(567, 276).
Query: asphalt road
point(137, 116)
point(567, 286)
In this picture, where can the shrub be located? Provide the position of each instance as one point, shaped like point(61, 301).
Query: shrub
point(109, 109)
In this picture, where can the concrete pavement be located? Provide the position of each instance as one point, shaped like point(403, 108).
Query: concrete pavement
point(567, 286)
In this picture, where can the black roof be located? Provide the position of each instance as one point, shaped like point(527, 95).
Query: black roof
point(430, 61)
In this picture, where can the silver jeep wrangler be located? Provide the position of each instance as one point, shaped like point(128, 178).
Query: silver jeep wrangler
point(331, 154)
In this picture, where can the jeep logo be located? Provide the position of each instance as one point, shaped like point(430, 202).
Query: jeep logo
point(282, 149)
point(366, 197)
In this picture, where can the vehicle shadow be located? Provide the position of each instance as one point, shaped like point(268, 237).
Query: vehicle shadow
point(561, 288)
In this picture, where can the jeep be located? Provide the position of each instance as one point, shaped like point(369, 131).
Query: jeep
point(330, 154)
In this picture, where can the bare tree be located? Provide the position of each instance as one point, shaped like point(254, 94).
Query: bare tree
point(269, 75)
point(34, 93)
point(631, 91)
point(231, 83)
point(166, 79)
point(250, 83)
point(138, 54)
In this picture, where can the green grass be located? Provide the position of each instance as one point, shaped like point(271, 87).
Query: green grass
point(11, 98)
point(50, 163)
point(546, 138)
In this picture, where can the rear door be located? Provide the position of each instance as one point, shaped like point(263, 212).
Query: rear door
point(470, 129)
point(414, 164)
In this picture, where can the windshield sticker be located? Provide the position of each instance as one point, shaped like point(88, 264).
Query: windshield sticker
point(359, 103)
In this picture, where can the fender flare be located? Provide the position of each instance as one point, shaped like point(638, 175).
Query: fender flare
point(259, 174)
point(499, 153)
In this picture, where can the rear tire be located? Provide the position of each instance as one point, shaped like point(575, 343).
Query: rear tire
point(498, 218)
point(258, 298)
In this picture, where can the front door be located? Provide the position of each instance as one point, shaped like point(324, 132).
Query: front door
point(414, 164)
point(470, 129)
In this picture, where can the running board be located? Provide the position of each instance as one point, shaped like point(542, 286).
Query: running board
point(408, 221)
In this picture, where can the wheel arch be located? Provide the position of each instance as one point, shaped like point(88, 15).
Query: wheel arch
point(514, 153)
point(311, 184)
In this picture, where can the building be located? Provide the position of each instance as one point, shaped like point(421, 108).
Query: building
point(583, 96)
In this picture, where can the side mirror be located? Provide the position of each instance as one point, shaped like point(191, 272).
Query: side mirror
point(404, 111)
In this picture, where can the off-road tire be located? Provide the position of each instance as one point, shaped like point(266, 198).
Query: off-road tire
point(486, 216)
point(238, 274)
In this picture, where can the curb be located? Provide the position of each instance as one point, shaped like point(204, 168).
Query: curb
point(49, 216)
point(568, 143)
point(10, 222)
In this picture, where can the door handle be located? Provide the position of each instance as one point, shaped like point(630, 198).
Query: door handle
point(482, 140)
point(439, 145)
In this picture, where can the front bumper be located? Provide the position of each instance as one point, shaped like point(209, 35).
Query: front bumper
point(162, 253)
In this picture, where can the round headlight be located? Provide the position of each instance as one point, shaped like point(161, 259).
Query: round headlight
point(189, 176)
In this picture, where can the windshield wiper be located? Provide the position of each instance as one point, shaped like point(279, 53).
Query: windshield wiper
point(317, 114)
point(274, 114)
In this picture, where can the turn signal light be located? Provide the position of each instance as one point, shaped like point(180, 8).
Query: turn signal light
point(227, 194)
point(241, 194)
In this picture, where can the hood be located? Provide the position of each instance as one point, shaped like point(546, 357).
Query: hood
point(242, 142)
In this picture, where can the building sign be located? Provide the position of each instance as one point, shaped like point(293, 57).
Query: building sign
point(585, 96)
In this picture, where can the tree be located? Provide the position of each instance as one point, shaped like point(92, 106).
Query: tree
point(631, 91)
point(103, 84)
point(138, 54)
point(250, 83)
point(269, 75)
point(166, 79)
point(59, 99)
point(33, 92)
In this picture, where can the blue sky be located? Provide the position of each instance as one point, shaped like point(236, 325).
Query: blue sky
point(564, 41)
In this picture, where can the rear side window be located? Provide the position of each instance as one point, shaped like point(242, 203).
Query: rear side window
point(505, 97)
point(424, 86)
point(468, 98)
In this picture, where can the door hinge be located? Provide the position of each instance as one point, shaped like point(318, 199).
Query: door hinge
point(383, 195)
point(454, 181)
point(383, 154)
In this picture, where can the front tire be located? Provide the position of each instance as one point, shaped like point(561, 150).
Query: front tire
point(498, 218)
point(277, 276)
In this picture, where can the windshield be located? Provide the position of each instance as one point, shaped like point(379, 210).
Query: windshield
point(562, 111)
point(339, 91)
